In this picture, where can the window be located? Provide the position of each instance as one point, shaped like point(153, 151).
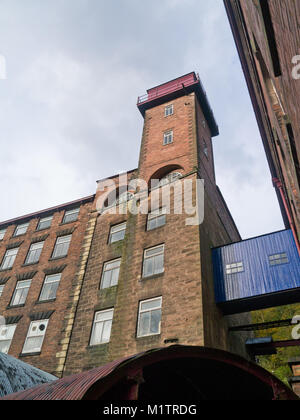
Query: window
point(110, 275)
point(21, 229)
point(9, 258)
point(234, 268)
point(35, 336)
point(149, 317)
point(205, 148)
point(6, 336)
point(156, 219)
point(168, 137)
point(50, 287)
point(102, 327)
point(168, 179)
point(1, 289)
point(153, 261)
point(71, 216)
point(34, 253)
point(2, 234)
point(169, 110)
point(61, 246)
point(44, 223)
point(20, 293)
point(123, 198)
point(278, 259)
point(117, 233)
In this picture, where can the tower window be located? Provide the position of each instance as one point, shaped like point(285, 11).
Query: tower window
point(156, 219)
point(21, 229)
point(117, 233)
point(102, 327)
point(149, 320)
point(278, 259)
point(71, 216)
point(169, 110)
point(44, 223)
point(234, 268)
point(110, 275)
point(153, 261)
point(168, 137)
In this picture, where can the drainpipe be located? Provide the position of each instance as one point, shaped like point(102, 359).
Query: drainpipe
point(278, 184)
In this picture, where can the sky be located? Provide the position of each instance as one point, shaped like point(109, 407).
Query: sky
point(68, 114)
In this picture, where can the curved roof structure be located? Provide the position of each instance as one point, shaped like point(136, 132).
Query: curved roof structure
point(16, 375)
point(176, 372)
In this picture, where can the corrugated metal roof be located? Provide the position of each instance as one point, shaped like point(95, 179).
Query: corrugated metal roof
point(82, 385)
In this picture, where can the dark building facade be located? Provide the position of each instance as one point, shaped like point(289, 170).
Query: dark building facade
point(267, 36)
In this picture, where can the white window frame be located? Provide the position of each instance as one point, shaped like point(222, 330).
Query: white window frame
point(23, 228)
point(2, 234)
point(7, 334)
point(146, 257)
point(52, 279)
point(69, 214)
point(169, 110)
point(108, 319)
point(37, 333)
point(142, 311)
point(1, 289)
point(116, 229)
point(168, 137)
point(9, 255)
point(235, 268)
point(35, 250)
point(278, 259)
point(156, 215)
point(106, 269)
point(44, 220)
point(60, 241)
point(23, 286)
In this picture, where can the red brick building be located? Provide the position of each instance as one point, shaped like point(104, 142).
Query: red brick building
point(80, 287)
point(267, 37)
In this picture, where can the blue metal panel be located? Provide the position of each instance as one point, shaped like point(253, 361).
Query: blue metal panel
point(259, 276)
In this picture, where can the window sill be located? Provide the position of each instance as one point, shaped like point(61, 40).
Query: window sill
point(157, 228)
point(57, 258)
point(39, 302)
point(18, 236)
point(15, 306)
point(29, 354)
point(154, 276)
point(152, 337)
point(29, 264)
point(97, 346)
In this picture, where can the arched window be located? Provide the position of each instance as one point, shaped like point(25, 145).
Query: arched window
point(168, 179)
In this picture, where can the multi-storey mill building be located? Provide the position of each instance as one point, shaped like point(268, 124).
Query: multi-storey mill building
point(80, 288)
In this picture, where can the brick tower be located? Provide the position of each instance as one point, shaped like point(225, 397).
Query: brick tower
point(149, 277)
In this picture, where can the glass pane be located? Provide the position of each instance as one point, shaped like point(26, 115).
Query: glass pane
point(115, 277)
point(45, 223)
point(155, 321)
point(106, 331)
point(4, 346)
point(33, 344)
point(104, 316)
point(152, 304)
point(159, 264)
point(1, 290)
point(117, 236)
point(148, 267)
point(144, 324)
point(97, 333)
point(49, 291)
point(106, 280)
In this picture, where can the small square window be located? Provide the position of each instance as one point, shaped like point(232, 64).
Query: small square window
point(168, 137)
point(62, 246)
point(50, 287)
point(278, 259)
point(9, 258)
point(71, 215)
point(153, 261)
point(34, 253)
point(205, 148)
point(20, 293)
point(102, 327)
point(169, 110)
point(110, 275)
point(44, 223)
point(117, 233)
point(2, 234)
point(156, 219)
point(1, 289)
point(234, 268)
point(35, 336)
point(149, 319)
point(21, 229)
point(6, 335)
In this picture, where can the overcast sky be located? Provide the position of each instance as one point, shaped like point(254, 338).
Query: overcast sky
point(68, 111)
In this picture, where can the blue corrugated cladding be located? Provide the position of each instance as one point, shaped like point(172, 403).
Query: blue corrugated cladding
point(258, 277)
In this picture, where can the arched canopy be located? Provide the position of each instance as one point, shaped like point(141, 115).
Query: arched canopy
point(173, 373)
